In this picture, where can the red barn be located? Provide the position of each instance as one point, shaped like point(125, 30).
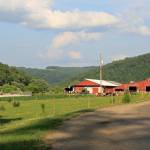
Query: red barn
point(139, 86)
point(122, 87)
point(93, 86)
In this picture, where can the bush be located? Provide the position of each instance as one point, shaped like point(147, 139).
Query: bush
point(16, 104)
point(38, 86)
point(126, 98)
point(9, 100)
point(43, 107)
point(8, 88)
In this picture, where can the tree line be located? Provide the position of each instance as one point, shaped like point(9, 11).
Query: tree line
point(13, 80)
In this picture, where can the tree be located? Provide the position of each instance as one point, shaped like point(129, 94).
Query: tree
point(8, 75)
point(9, 88)
point(38, 86)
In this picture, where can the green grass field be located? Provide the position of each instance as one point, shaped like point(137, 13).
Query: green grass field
point(22, 128)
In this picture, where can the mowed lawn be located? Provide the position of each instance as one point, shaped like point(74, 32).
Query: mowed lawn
point(23, 127)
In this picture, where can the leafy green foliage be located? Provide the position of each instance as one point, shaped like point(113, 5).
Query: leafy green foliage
point(43, 108)
point(38, 86)
point(16, 103)
point(8, 75)
point(126, 98)
point(129, 69)
point(57, 75)
point(123, 71)
point(13, 80)
point(9, 88)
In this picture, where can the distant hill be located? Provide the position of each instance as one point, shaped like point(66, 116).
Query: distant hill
point(14, 80)
point(129, 69)
point(57, 75)
point(9, 75)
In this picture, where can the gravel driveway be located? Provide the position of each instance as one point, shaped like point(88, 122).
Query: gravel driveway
point(124, 127)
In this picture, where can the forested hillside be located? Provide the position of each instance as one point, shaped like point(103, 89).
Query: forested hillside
point(9, 75)
point(13, 80)
point(28, 79)
point(56, 75)
point(129, 69)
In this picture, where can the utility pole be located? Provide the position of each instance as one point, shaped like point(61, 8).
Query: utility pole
point(101, 71)
point(101, 66)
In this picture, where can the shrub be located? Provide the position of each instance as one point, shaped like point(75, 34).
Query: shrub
point(9, 88)
point(126, 98)
point(38, 86)
point(43, 107)
point(16, 104)
point(9, 100)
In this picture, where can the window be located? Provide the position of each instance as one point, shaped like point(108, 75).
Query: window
point(133, 89)
point(148, 89)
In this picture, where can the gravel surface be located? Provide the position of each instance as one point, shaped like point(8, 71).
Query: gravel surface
point(124, 127)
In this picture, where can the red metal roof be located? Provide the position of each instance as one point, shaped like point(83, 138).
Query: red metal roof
point(123, 86)
point(87, 83)
point(94, 82)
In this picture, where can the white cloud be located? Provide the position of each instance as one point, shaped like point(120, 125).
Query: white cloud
point(144, 30)
point(38, 14)
point(134, 25)
point(51, 54)
point(74, 54)
point(79, 19)
point(133, 19)
point(66, 38)
point(141, 30)
point(137, 27)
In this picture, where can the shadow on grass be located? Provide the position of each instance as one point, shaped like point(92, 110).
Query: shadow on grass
point(40, 126)
point(46, 124)
point(7, 120)
point(25, 145)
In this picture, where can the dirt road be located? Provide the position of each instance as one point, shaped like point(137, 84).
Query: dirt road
point(125, 127)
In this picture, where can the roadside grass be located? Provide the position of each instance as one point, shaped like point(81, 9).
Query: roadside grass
point(22, 128)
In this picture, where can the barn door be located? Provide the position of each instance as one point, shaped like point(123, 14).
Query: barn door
point(95, 90)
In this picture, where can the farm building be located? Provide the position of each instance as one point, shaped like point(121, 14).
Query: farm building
point(93, 86)
point(139, 86)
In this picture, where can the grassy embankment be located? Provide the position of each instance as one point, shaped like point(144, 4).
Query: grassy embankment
point(23, 127)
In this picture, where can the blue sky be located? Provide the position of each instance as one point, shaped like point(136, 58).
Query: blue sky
point(40, 33)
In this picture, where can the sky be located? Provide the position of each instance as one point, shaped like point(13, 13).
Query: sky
point(41, 33)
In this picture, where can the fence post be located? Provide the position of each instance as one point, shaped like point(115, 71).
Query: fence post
point(88, 103)
point(113, 100)
point(54, 108)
